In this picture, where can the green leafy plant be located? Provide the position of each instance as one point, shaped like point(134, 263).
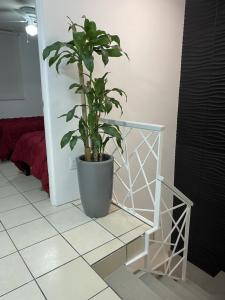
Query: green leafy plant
point(96, 98)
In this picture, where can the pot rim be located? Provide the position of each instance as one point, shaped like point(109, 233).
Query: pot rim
point(111, 159)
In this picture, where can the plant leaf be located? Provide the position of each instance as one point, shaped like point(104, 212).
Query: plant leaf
point(60, 60)
point(89, 62)
point(53, 59)
point(53, 47)
point(111, 130)
point(90, 28)
point(70, 114)
point(74, 85)
point(116, 39)
point(66, 138)
point(108, 105)
point(117, 104)
point(99, 85)
point(105, 56)
point(114, 52)
point(79, 39)
point(73, 141)
point(102, 40)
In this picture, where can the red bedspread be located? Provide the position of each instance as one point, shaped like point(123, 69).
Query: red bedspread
point(31, 149)
point(12, 129)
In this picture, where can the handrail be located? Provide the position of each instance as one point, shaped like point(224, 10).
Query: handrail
point(142, 145)
point(178, 193)
point(138, 125)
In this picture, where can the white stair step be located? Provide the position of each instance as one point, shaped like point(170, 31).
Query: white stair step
point(197, 275)
point(178, 289)
point(212, 285)
point(158, 287)
point(195, 289)
point(129, 287)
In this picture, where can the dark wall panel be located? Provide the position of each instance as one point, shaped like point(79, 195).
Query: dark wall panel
point(200, 149)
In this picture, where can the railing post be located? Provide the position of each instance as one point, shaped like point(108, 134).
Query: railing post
point(185, 254)
point(158, 182)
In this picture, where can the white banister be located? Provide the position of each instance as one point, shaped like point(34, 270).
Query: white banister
point(138, 125)
point(138, 189)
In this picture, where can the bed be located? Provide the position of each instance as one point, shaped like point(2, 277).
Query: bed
point(12, 129)
point(30, 150)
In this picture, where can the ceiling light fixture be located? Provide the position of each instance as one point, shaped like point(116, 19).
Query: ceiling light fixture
point(31, 29)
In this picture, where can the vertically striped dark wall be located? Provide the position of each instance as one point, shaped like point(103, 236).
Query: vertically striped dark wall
point(200, 149)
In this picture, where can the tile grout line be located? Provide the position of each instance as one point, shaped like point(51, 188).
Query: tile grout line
point(80, 256)
point(5, 211)
point(59, 233)
point(25, 265)
point(22, 256)
point(98, 293)
point(25, 223)
point(65, 241)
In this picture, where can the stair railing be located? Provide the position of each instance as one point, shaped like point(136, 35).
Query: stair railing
point(169, 245)
point(136, 169)
point(140, 190)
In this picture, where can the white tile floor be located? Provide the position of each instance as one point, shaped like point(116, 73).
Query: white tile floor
point(41, 246)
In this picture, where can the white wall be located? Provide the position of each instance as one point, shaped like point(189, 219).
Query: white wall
point(26, 79)
point(151, 32)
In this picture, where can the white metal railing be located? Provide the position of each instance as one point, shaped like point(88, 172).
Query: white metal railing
point(169, 245)
point(136, 188)
point(140, 190)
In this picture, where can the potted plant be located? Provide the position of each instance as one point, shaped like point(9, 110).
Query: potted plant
point(94, 167)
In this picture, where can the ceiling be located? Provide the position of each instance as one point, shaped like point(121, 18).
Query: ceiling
point(9, 14)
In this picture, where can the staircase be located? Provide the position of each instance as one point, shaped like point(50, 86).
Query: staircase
point(146, 286)
point(164, 272)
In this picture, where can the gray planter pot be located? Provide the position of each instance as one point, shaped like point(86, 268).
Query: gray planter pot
point(96, 184)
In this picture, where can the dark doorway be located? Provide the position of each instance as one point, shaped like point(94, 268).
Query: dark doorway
point(200, 149)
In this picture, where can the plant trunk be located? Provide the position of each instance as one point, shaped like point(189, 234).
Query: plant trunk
point(95, 154)
point(87, 149)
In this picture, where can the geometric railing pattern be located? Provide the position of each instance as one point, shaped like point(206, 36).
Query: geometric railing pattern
point(140, 190)
point(136, 188)
point(169, 245)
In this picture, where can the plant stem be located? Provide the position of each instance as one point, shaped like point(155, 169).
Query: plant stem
point(87, 149)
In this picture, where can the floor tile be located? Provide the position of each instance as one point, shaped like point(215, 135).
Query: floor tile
point(36, 195)
point(29, 291)
point(133, 234)
point(46, 208)
point(102, 251)
point(8, 190)
point(19, 216)
point(31, 233)
point(8, 169)
point(6, 165)
point(67, 219)
point(6, 245)
point(107, 294)
point(119, 222)
point(87, 237)
point(48, 255)
point(13, 273)
point(12, 202)
point(3, 181)
point(1, 227)
point(75, 280)
point(26, 183)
